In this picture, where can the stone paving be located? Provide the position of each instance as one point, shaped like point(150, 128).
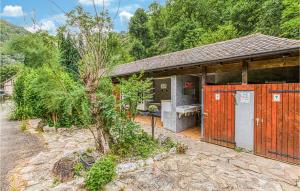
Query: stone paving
point(204, 167)
point(37, 171)
point(209, 167)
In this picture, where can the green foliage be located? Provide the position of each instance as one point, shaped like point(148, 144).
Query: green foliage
point(135, 90)
point(118, 53)
point(38, 49)
point(51, 95)
point(8, 70)
point(290, 19)
point(55, 182)
point(132, 141)
point(269, 17)
point(78, 167)
point(141, 33)
point(153, 108)
point(238, 149)
point(101, 173)
point(69, 55)
point(9, 31)
point(179, 25)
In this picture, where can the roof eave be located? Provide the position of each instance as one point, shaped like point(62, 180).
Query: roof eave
point(257, 55)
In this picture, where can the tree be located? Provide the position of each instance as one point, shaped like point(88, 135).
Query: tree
point(37, 49)
point(118, 53)
point(139, 30)
point(8, 70)
point(290, 19)
point(179, 33)
point(138, 50)
point(135, 90)
point(69, 56)
point(157, 21)
point(244, 15)
point(91, 41)
point(269, 17)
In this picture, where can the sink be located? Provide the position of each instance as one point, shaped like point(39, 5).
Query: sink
point(187, 108)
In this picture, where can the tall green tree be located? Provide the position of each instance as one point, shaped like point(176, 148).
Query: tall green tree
point(290, 19)
point(69, 56)
point(269, 17)
point(139, 30)
point(244, 15)
point(118, 53)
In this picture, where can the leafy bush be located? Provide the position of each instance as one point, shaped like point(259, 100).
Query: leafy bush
point(7, 71)
point(132, 141)
point(51, 95)
point(135, 90)
point(101, 173)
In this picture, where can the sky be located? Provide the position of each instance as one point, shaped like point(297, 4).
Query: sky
point(49, 14)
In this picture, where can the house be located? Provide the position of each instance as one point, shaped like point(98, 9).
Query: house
point(243, 92)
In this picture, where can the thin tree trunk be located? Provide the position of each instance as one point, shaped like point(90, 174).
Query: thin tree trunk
point(102, 137)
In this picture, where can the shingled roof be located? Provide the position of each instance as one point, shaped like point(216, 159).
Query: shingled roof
point(243, 47)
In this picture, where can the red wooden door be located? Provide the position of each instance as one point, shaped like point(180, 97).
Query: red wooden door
point(219, 115)
point(277, 121)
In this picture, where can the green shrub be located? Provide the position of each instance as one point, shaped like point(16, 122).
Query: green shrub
point(101, 173)
point(51, 95)
point(132, 141)
point(78, 168)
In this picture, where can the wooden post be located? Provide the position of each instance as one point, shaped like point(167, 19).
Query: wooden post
point(203, 83)
point(152, 124)
point(245, 72)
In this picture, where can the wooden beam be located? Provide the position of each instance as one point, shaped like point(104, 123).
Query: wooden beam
point(245, 72)
point(218, 68)
point(274, 63)
point(179, 71)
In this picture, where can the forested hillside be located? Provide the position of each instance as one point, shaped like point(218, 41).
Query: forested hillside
point(9, 30)
point(185, 24)
point(8, 63)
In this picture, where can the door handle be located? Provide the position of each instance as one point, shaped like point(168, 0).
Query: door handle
point(205, 113)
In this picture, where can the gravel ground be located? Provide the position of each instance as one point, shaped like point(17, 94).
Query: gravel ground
point(14, 145)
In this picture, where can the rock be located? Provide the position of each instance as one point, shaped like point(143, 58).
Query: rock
point(172, 151)
point(254, 168)
point(170, 165)
point(127, 167)
point(162, 139)
point(141, 163)
point(40, 126)
point(149, 161)
point(64, 169)
point(160, 156)
point(79, 181)
point(63, 187)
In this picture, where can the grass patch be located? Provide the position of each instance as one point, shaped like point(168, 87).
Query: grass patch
point(238, 149)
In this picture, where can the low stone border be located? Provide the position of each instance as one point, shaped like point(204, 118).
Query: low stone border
point(132, 166)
